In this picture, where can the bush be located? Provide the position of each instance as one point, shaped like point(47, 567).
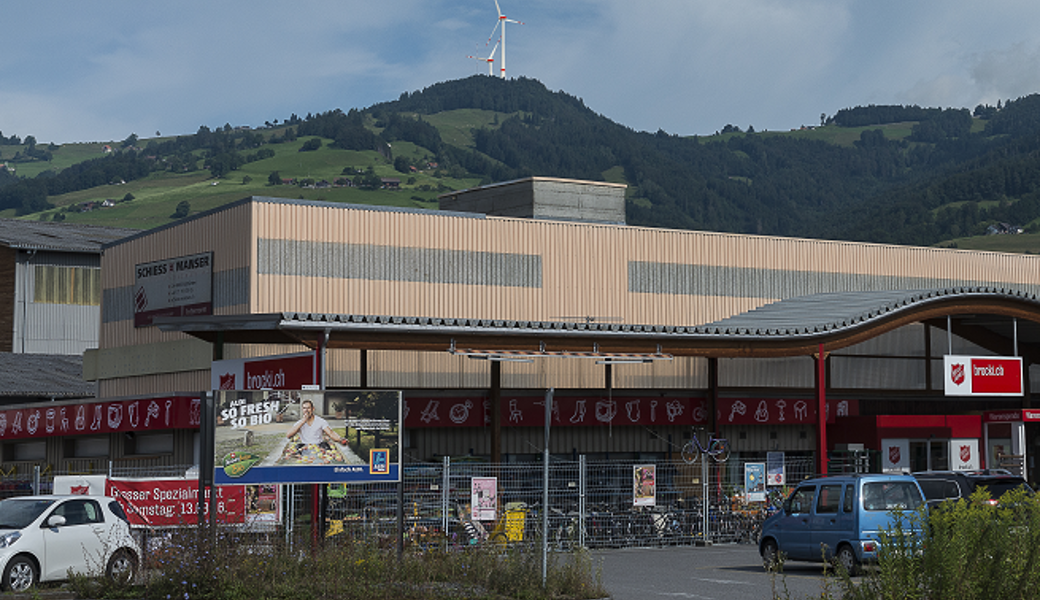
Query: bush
point(237, 566)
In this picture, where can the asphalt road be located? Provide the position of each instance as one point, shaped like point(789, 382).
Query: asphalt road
point(723, 572)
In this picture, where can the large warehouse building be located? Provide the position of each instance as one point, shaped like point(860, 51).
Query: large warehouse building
point(808, 347)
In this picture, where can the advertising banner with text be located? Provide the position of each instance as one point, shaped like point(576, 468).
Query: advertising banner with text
point(283, 372)
point(173, 502)
point(173, 287)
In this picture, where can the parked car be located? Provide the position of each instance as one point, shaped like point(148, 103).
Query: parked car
point(838, 518)
point(43, 538)
point(940, 486)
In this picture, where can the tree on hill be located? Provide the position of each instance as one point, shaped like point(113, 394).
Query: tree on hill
point(183, 209)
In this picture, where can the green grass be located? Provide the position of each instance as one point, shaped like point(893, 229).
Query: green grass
point(1026, 243)
point(156, 197)
point(456, 126)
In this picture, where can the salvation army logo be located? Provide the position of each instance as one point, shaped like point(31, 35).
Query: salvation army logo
point(80, 490)
point(965, 453)
point(957, 373)
point(893, 454)
point(227, 382)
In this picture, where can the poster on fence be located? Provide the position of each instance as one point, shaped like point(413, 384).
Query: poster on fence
point(483, 497)
point(775, 474)
point(755, 482)
point(644, 482)
point(173, 502)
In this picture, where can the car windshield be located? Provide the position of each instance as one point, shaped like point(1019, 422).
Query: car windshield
point(16, 513)
point(891, 495)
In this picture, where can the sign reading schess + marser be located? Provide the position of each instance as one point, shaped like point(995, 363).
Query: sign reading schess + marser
point(175, 287)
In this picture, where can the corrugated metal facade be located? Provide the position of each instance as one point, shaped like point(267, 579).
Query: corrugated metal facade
point(50, 328)
point(275, 255)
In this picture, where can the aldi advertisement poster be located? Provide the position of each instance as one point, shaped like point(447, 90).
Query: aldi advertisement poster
point(755, 482)
point(265, 437)
point(484, 498)
point(644, 482)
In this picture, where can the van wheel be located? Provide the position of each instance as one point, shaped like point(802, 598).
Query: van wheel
point(846, 558)
point(770, 555)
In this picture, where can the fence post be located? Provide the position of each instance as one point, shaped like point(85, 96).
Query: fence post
point(36, 480)
point(581, 501)
point(706, 501)
point(446, 497)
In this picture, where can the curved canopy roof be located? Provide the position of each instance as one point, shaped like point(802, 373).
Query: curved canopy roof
point(792, 327)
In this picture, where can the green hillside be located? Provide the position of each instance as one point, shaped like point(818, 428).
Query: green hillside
point(890, 174)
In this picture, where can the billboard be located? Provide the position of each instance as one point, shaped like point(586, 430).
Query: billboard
point(982, 375)
point(174, 287)
point(306, 437)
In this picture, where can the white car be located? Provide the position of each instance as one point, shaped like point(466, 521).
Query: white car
point(43, 538)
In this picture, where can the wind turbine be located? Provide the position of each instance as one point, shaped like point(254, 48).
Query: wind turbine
point(502, 20)
point(490, 60)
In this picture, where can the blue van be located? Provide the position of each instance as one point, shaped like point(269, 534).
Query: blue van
point(837, 517)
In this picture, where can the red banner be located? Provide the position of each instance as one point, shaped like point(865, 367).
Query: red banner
point(529, 411)
point(779, 411)
point(173, 502)
point(100, 417)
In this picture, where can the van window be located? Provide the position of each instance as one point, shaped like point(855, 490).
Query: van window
point(801, 500)
point(891, 495)
point(850, 493)
point(829, 499)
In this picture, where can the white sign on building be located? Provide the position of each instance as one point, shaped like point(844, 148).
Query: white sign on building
point(173, 287)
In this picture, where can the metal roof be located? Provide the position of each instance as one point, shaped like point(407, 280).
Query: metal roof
point(59, 237)
point(44, 376)
point(784, 328)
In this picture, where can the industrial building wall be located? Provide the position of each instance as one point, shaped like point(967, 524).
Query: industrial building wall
point(275, 255)
point(62, 325)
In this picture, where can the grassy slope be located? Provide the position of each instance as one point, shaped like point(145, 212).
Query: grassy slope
point(157, 196)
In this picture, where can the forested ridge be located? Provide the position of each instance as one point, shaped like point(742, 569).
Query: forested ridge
point(955, 174)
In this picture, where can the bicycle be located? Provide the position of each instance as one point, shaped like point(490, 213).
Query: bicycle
point(717, 449)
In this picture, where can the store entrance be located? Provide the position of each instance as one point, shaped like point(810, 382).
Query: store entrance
point(929, 455)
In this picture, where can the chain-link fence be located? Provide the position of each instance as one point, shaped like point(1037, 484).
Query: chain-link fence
point(591, 504)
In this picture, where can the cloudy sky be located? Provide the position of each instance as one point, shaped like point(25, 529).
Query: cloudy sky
point(99, 71)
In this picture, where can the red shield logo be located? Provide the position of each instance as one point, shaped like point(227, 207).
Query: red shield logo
point(957, 373)
point(80, 490)
point(965, 453)
point(893, 455)
point(227, 382)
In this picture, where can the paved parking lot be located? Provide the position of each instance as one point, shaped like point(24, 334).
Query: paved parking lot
point(723, 572)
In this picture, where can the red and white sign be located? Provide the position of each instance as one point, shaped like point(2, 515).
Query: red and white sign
point(283, 372)
point(174, 502)
point(1011, 415)
point(895, 455)
point(173, 287)
point(964, 455)
point(566, 411)
point(100, 417)
point(982, 375)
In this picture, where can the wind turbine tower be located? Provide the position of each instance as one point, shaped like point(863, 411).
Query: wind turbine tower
point(502, 20)
point(490, 60)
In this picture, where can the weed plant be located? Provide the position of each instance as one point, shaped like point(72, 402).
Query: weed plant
point(232, 566)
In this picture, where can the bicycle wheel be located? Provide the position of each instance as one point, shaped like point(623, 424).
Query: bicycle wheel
point(719, 450)
point(691, 451)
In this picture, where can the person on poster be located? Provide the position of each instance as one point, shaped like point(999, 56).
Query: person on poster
point(312, 428)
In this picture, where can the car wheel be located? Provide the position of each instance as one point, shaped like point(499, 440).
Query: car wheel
point(770, 555)
point(20, 574)
point(846, 558)
point(121, 567)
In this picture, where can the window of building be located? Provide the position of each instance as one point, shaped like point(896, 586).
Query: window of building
point(86, 447)
point(150, 443)
point(67, 285)
point(31, 450)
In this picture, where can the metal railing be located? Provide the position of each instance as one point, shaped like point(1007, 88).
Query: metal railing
point(591, 503)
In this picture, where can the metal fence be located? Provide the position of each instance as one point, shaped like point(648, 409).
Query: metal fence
point(591, 503)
